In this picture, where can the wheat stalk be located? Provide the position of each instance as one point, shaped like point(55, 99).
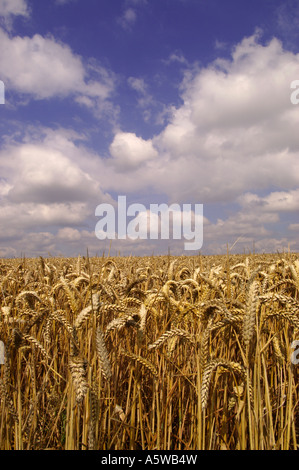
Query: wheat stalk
point(4, 394)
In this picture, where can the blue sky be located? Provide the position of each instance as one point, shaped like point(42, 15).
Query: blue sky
point(164, 101)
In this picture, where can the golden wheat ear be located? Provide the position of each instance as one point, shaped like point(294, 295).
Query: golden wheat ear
point(102, 354)
point(249, 322)
point(77, 366)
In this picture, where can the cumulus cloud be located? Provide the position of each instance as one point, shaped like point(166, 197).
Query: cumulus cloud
point(131, 152)
point(56, 185)
point(69, 234)
point(42, 68)
point(235, 132)
point(277, 201)
point(234, 140)
point(47, 176)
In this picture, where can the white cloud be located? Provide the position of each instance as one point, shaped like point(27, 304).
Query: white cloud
point(26, 216)
point(40, 66)
point(234, 139)
point(240, 231)
point(247, 91)
point(235, 132)
point(48, 181)
point(131, 152)
point(43, 68)
point(46, 175)
point(9, 9)
point(13, 7)
point(69, 234)
point(278, 201)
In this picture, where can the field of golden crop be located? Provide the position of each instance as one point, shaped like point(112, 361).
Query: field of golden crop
point(155, 353)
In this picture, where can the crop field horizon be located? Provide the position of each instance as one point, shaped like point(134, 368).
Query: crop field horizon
point(150, 353)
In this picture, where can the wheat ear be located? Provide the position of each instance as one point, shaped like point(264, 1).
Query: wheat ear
point(141, 360)
point(141, 326)
point(250, 313)
point(170, 334)
point(77, 367)
point(102, 354)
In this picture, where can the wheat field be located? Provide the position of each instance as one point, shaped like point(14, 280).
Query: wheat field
point(149, 353)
